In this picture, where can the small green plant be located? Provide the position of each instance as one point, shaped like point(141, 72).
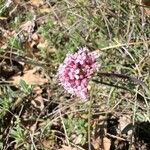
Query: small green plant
point(6, 100)
point(3, 6)
point(18, 133)
point(77, 126)
point(44, 30)
point(1, 50)
point(14, 42)
point(25, 87)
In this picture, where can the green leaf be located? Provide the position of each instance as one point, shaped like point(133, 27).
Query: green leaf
point(25, 87)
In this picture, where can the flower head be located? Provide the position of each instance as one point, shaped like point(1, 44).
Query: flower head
point(75, 72)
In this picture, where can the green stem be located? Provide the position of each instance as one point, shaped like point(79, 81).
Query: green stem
point(89, 120)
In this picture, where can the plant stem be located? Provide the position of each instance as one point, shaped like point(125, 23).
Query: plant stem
point(89, 120)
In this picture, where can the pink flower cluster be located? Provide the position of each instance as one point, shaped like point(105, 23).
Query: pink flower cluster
point(74, 74)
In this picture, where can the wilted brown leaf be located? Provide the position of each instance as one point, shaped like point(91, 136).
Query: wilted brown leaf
point(146, 3)
point(45, 10)
point(67, 148)
point(35, 36)
point(37, 3)
point(31, 77)
point(48, 143)
point(147, 11)
point(106, 143)
point(96, 142)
